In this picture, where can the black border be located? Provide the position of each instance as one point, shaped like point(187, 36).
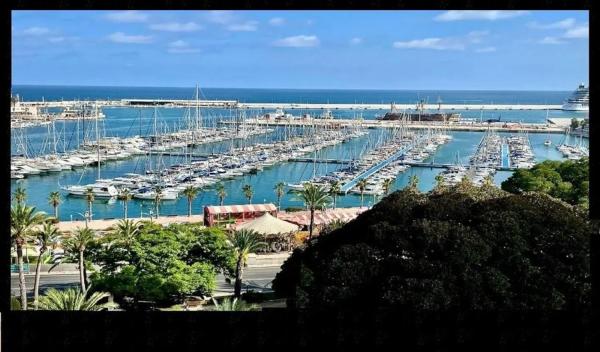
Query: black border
point(363, 326)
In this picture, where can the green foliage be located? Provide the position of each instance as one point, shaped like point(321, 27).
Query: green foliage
point(567, 180)
point(71, 299)
point(164, 264)
point(469, 248)
point(228, 304)
point(15, 304)
point(20, 195)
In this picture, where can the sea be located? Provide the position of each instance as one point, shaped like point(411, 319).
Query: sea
point(125, 121)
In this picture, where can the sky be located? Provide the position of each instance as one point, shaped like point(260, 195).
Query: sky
point(470, 50)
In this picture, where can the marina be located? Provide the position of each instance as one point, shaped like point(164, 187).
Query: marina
point(167, 148)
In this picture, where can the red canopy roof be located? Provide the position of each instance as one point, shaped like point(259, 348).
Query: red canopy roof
point(246, 208)
point(322, 217)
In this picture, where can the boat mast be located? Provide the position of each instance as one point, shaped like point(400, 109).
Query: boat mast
point(97, 138)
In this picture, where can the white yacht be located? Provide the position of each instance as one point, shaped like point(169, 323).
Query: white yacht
point(100, 190)
point(579, 101)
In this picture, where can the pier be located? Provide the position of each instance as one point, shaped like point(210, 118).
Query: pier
point(178, 103)
point(371, 124)
point(348, 185)
point(448, 165)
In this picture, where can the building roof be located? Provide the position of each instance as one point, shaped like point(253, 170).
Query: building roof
point(268, 225)
point(322, 217)
point(246, 208)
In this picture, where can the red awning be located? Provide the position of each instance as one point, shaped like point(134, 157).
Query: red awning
point(321, 217)
point(246, 208)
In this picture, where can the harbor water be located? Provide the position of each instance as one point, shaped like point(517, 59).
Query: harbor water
point(123, 122)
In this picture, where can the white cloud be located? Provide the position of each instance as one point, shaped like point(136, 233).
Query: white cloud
point(487, 49)
point(131, 16)
point(36, 31)
point(430, 43)
point(578, 32)
point(356, 41)
point(551, 40)
point(56, 39)
point(220, 16)
point(564, 24)
point(176, 27)
point(446, 43)
point(298, 41)
point(181, 47)
point(248, 26)
point(120, 37)
point(486, 15)
point(276, 21)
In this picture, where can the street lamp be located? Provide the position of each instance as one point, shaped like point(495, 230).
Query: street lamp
point(85, 216)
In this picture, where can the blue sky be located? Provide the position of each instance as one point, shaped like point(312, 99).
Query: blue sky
point(513, 50)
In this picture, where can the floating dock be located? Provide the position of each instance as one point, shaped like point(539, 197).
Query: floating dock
point(451, 126)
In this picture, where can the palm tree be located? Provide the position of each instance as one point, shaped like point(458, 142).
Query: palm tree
point(488, 181)
point(244, 242)
point(248, 192)
point(221, 193)
point(279, 191)
point(157, 197)
point(413, 183)
point(78, 242)
point(190, 192)
point(20, 195)
point(387, 185)
point(125, 196)
point(89, 198)
point(22, 220)
point(361, 184)
point(126, 232)
point(334, 189)
point(314, 197)
point(72, 299)
point(54, 201)
point(46, 236)
point(440, 183)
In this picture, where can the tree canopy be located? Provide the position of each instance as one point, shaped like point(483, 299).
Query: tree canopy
point(567, 180)
point(466, 248)
point(163, 264)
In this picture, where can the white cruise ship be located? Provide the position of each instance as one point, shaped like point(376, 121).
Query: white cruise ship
point(579, 101)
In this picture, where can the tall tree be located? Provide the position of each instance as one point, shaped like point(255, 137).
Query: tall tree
point(125, 196)
point(361, 184)
point(221, 193)
point(334, 189)
point(413, 183)
point(20, 195)
point(190, 192)
point(78, 242)
point(279, 191)
point(46, 237)
point(158, 192)
point(54, 201)
point(248, 192)
point(126, 233)
point(22, 221)
point(387, 185)
point(89, 198)
point(244, 242)
point(440, 184)
point(314, 197)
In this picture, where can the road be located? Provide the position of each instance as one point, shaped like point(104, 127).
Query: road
point(255, 278)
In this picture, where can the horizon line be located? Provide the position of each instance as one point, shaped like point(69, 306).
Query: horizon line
point(284, 88)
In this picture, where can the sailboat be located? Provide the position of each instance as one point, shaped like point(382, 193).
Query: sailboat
point(547, 142)
point(99, 189)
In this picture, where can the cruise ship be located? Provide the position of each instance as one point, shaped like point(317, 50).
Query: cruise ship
point(579, 101)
